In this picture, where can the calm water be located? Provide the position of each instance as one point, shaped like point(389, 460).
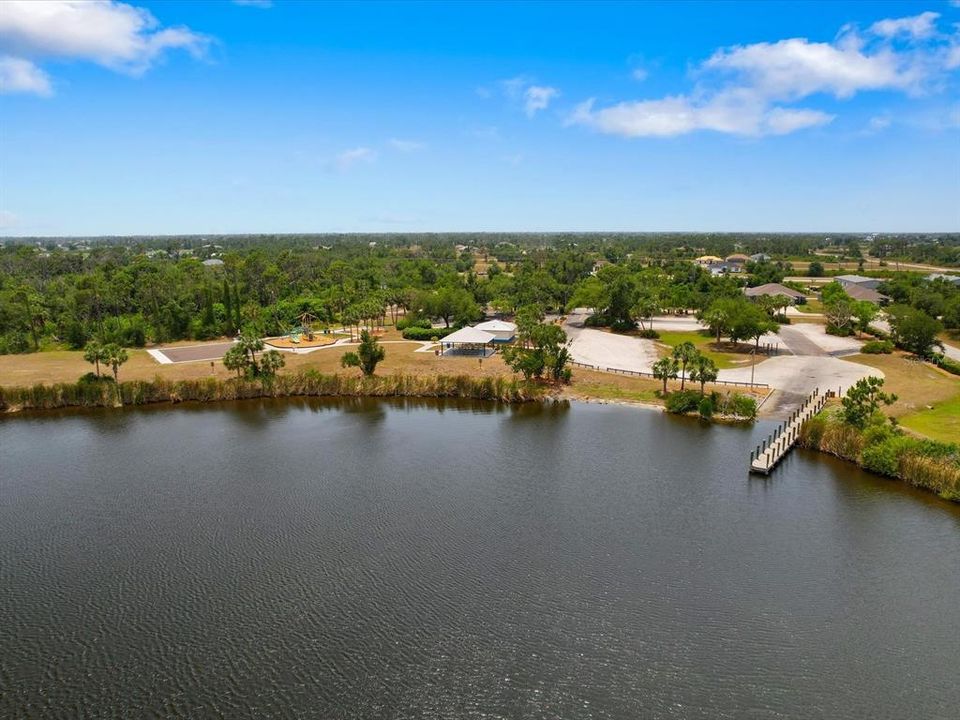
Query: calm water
point(375, 560)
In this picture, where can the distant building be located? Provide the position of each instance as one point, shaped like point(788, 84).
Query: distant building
point(760, 257)
point(955, 279)
point(737, 259)
point(213, 262)
point(774, 289)
point(708, 260)
point(722, 268)
point(859, 292)
point(597, 265)
point(859, 281)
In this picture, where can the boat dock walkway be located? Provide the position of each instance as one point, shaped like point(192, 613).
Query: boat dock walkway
point(774, 448)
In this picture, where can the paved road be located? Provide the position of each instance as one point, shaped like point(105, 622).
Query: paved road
point(208, 351)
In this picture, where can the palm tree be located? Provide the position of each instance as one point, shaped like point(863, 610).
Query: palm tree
point(93, 353)
point(270, 362)
point(684, 353)
point(251, 344)
point(115, 356)
point(703, 370)
point(665, 369)
point(235, 359)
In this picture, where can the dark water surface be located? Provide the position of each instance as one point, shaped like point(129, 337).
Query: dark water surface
point(408, 560)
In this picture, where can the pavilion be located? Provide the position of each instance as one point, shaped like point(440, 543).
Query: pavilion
point(468, 341)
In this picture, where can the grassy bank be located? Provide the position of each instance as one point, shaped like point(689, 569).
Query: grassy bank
point(928, 398)
point(725, 355)
point(306, 383)
point(927, 464)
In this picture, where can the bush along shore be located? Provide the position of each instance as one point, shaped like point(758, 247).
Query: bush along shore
point(884, 449)
point(306, 383)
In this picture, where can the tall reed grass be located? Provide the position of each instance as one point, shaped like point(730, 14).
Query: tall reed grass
point(307, 383)
point(926, 464)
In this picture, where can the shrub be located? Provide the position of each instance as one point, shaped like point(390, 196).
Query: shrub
point(597, 321)
point(883, 457)
point(705, 408)
point(623, 326)
point(93, 378)
point(425, 333)
point(649, 334)
point(411, 321)
point(877, 347)
point(682, 401)
point(949, 364)
point(739, 406)
point(839, 331)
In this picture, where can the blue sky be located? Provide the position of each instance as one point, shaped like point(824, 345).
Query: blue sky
point(175, 117)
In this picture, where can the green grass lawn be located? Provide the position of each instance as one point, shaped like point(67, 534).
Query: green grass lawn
point(724, 359)
point(811, 306)
point(941, 423)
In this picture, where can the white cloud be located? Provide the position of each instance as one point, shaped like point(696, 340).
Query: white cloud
point(732, 113)
point(878, 123)
point(109, 33)
point(782, 121)
point(532, 97)
point(356, 156)
point(918, 27)
point(796, 68)
point(22, 76)
point(537, 97)
point(406, 146)
point(745, 89)
point(639, 74)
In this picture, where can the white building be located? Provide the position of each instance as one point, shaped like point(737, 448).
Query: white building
point(859, 280)
point(501, 330)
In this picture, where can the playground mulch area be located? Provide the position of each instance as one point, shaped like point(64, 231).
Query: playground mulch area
point(319, 340)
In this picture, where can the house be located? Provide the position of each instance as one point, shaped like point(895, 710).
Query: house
point(858, 292)
point(760, 257)
point(599, 264)
point(501, 330)
point(213, 263)
point(722, 268)
point(708, 260)
point(737, 259)
point(859, 280)
point(774, 289)
point(955, 279)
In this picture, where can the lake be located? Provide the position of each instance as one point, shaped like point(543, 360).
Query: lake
point(374, 559)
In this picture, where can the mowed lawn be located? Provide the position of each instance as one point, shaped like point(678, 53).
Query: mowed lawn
point(928, 399)
point(727, 356)
point(941, 423)
point(67, 366)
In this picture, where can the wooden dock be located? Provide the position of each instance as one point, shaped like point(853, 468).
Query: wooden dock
point(772, 450)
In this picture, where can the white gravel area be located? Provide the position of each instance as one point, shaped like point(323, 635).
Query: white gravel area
point(802, 374)
point(603, 349)
point(676, 323)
